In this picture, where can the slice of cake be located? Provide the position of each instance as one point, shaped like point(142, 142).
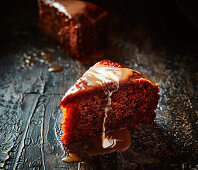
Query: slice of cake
point(107, 97)
point(79, 27)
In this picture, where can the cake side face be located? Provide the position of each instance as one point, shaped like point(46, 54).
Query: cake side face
point(86, 114)
point(78, 26)
point(87, 30)
point(133, 101)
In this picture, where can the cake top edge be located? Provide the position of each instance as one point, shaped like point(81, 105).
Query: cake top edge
point(76, 7)
point(100, 74)
point(110, 64)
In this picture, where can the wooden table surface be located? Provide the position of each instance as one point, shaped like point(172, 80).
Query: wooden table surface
point(30, 116)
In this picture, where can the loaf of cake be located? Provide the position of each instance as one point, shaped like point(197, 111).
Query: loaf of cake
point(107, 97)
point(79, 27)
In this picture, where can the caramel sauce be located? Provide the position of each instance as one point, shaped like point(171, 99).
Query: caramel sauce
point(55, 69)
point(121, 136)
point(72, 157)
point(122, 140)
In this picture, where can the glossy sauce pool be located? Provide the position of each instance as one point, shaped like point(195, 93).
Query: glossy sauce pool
point(121, 136)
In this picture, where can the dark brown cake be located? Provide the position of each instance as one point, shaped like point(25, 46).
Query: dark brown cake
point(109, 96)
point(79, 26)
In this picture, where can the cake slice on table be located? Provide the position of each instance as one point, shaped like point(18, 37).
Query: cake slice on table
point(79, 27)
point(107, 97)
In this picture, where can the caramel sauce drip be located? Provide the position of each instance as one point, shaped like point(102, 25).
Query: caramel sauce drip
point(121, 136)
point(72, 157)
point(55, 69)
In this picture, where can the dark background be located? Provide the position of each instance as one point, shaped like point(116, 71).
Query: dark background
point(171, 22)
